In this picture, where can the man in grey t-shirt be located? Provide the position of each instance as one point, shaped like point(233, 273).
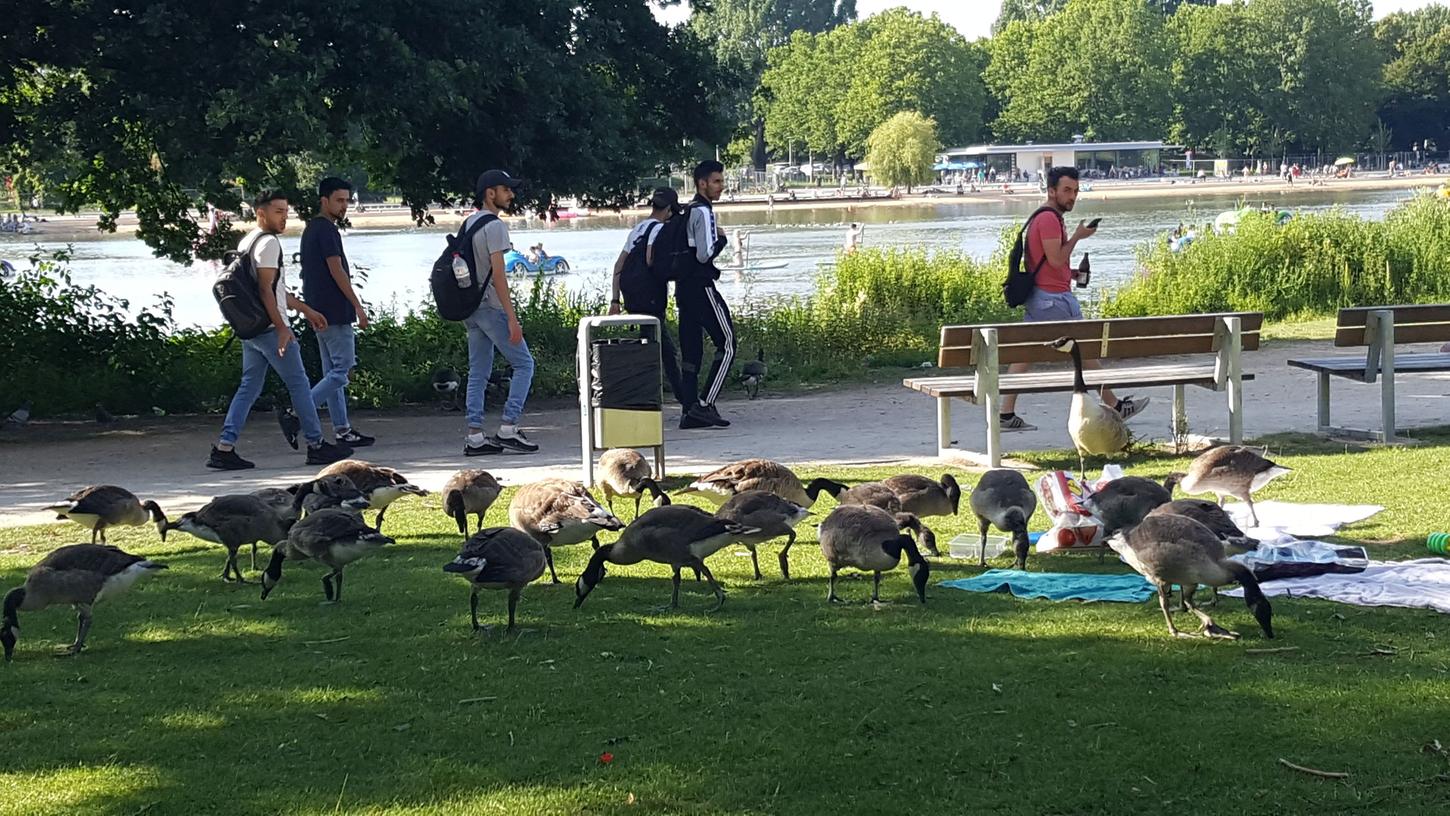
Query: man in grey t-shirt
point(495, 325)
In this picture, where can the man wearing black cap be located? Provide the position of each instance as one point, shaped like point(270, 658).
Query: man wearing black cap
point(640, 291)
point(495, 325)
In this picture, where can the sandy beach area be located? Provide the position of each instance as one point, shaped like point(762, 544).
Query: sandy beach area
point(82, 226)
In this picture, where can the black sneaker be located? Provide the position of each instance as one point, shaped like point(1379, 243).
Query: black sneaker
point(352, 438)
point(227, 460)
point(713, 414)
point(514, 441)
point(291, 425)
point(487, 448)
point(695, 417)
point(325, 453)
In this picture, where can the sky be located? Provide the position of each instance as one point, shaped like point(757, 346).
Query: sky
point(974, 18)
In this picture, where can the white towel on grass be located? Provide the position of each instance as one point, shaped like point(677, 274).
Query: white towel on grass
point(1278, 519)
point(1419, 584)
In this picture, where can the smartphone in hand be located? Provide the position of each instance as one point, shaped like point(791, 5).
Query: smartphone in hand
point(1093, 224)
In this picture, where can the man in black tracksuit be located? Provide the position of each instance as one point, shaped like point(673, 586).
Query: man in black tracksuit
point(700, 305)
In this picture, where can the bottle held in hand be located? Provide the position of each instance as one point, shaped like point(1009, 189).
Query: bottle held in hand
point(1084, 272)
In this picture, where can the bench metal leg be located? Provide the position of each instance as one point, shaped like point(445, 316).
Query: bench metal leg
point(1180, 413)
point(943, 424)
point(1387, 391)
point(1324, 402)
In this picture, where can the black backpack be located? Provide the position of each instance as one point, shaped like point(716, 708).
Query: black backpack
point(238, 293)
point(1020, 283)
point(455, 302)
point(673, 258)
point(637, 273)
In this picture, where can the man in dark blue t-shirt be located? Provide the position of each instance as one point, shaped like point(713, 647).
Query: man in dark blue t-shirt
point(327, 287)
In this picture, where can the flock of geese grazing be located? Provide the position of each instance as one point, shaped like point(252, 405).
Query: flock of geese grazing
point(871, 528)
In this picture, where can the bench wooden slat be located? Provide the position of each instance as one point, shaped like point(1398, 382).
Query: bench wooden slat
point(1126, 338)
point(1353, 367)
point(1092, 349)
point(1404, 333)
point(1060, 381)
point(1404, 314)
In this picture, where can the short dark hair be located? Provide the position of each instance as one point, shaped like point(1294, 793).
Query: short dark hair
point(705, 168)
point(332, 184)
point(664, 198)
point(266, 197)
point(1057, 174)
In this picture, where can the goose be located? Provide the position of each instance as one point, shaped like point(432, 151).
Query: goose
point(557, 513)
point(874, 494)
point(382, 485)
point(326, 492)
point(626, 474)
point(232, 521)
point(1216, 520)
point(1124, 502)
point(1095, 428)
point(468, 492)
point(870, 539)
point(676, 535)
point(100, 506)
point(753, 373)
point(1169, 549)
point(1002, 498)
point(80, 575)
point(771, 515)
point(759, 474)
point(498, 558)
point(282, 501)
point(332, 536)
point(445, 383)
point(923, 498)
point(1231, 470)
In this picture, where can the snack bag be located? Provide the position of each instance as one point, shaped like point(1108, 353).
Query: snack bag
point(1073, 525)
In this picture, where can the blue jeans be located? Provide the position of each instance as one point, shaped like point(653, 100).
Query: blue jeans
point(337, 348)
point(488, 328)
point(258, 354)
point(1052, 306)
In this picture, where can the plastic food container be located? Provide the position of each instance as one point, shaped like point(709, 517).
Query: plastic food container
point(966, 546)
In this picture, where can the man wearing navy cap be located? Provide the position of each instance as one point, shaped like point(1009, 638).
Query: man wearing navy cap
point(495, 325)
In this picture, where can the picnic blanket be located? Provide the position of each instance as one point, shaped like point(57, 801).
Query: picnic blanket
point(1059, 586)
point(1279, 519)
point(1420, 584)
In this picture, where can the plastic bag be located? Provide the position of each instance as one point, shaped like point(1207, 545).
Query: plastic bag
point(1063, 498)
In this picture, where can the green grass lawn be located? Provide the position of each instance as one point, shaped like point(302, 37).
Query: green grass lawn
point(197, 697)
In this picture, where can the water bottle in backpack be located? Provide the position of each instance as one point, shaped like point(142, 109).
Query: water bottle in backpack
point(461, 272)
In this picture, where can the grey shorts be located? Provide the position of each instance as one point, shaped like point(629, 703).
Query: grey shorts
point(1052, 306)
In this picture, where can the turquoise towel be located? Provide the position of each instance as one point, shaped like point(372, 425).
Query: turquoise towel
point(1060, 586)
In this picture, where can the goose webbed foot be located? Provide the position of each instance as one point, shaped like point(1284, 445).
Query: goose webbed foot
point(1213, 630)
point(69, 651)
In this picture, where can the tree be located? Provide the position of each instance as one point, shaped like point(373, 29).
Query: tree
point(1226, 89)
point(1025, 11)
point(741, 34)
point(1416, 75)
point(171, 104)
point(902, 150)
point(1097, 67)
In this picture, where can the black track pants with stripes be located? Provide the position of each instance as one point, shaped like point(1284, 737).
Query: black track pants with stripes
point(702, 310)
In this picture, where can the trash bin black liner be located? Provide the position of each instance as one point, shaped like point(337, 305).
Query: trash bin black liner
point(626, 374)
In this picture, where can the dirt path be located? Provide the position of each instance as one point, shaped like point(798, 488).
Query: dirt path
point(163, 459)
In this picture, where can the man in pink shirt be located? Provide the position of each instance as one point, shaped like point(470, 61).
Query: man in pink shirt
point(1049, 251)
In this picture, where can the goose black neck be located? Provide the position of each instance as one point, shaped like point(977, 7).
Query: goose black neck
point(1078, 385)
point(817, 485)
point(908, 546)
point(13, 599)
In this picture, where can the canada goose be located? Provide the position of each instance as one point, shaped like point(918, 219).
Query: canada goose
point(753, 373)
point(1231, 470)
point(445, 385)
point(557, 513)
point(382, 485)
point(1003, 498)
point(1095, 428)
point(870, 539)
point(874, 494)
point(771, 515)
point(923, 498)
point(326, 492)
point(232, 521)
point(1124, 502)
point(332, 536)
point(78, 574)
point(1217, 521)
point(625, 473)
point(1168, 549)
point(101, 506)
point(675, 535)
point(498, 558)
point(282, 501)
point(470, 492)
point(759, 474)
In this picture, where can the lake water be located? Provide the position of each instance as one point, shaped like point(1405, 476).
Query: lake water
point(397, 261)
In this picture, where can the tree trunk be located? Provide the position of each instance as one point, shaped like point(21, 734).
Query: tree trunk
point(758, 154)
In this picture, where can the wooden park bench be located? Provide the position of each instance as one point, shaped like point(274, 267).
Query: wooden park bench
point(1377, 329)
point(986, 348)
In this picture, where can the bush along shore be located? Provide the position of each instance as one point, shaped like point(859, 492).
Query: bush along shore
point(66, 347)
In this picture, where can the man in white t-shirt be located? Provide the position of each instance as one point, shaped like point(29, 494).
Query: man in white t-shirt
point(275, 348)
point(639, 291)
